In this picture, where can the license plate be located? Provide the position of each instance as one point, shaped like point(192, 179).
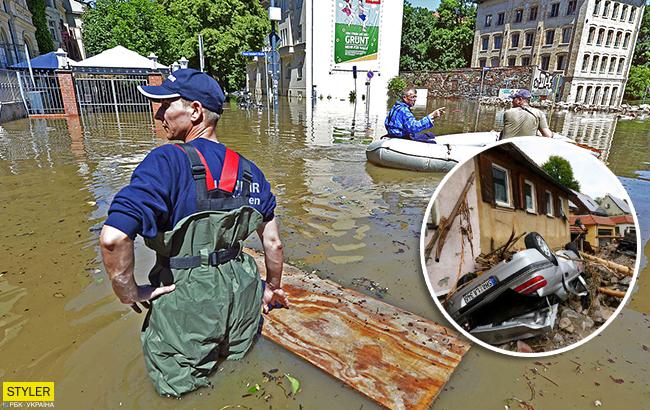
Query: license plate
point(480, 289)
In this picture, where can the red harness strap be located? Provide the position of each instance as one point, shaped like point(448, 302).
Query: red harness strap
point(229, 171)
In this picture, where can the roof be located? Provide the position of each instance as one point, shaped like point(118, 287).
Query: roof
point(592, 220)
point(118, 57)
point(621, 203)
point(591, 205)
point(622, 219)
point(43, 62)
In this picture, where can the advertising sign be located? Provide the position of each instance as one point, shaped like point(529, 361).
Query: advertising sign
point(356, 34)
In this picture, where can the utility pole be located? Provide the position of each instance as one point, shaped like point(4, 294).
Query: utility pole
point(275, 15)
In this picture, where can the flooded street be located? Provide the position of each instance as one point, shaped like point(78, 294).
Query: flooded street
point(340, 217)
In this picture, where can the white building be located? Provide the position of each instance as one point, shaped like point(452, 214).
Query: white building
point(589, 43)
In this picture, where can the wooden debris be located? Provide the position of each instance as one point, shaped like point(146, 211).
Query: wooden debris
point(445, 223)
point(609, 264)
point(394, 357)
point(612, 292)
point(486, 261)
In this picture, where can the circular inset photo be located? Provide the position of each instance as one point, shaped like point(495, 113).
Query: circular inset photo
point(530, 248)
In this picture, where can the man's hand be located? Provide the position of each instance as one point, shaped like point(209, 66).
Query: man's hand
point(273, 298)
point(437, 113)
point(147, 293)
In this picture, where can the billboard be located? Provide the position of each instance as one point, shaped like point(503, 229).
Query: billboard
point(356, 32)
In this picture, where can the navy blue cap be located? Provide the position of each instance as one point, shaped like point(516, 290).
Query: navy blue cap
point(523, 94)
point(190, 84)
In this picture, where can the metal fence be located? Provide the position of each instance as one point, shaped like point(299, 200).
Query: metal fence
point(41, 92)
point(106, 93)
point(9, 87)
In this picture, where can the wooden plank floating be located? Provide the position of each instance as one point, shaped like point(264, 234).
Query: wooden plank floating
point(396, 358)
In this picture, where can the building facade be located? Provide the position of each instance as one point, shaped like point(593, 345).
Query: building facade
point(16, 32)
point(582, 49)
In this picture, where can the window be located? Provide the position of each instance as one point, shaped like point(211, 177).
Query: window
point(560, 62)
point(592, 33)
point(529, 196)
point(615, 11)
point(624, 13)
point(612, 65)
point(610, 35)
point(485, 42)
point(585, 63)
point(514, 43)
point(501, 185)
point(488, 20)
point(606, 10)
point(621, 65)
point(482, 62)
point(601, 35)
point(512, 61)
point(594, 63)
point(494, 62)
point(519, 15)
point(603, 65)
point(632, 13)
point(555, 10)
point(596, 7)
point(579, 94)
point(533, 13)
point(548, 197)
point(501, 18)
point(562, 207)
point(525, 61)
point(530, 36)
point(545, 62)
point(498, 40)
point(550, 36)
point(617, 42)
point(571, 7)
point(566, 35)
point(626, 42)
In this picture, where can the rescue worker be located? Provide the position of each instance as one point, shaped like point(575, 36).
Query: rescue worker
point(194, 203)
point(523, 120)
point(401, 123)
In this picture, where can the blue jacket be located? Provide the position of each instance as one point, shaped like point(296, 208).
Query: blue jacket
point(401, 122)
point(162, 190)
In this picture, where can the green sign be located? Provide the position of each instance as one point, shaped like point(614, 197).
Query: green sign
point(356, 34)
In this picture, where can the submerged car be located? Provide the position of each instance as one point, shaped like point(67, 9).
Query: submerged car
point(518, 298)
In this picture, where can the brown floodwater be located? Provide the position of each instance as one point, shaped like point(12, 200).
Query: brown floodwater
point(340, 217)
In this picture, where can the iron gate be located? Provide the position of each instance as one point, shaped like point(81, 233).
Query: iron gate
point(41, 91)
point(110, 93)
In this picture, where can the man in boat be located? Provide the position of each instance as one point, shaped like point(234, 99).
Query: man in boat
point(194, 203)
point(523, 120)
point(401, 123)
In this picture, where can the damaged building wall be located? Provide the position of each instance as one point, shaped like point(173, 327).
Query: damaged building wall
point(457, 252)
point(466, 82)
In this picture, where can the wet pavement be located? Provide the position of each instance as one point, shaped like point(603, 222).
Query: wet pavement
point(341, 217)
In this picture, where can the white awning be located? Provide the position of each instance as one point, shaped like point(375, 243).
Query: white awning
point(118, 57)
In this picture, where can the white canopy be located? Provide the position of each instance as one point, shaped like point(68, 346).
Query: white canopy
point(118, 57)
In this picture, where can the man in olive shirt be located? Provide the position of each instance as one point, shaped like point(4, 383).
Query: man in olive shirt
point(523, 120)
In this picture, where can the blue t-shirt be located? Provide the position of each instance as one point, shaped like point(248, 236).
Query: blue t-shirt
point(400, 121)
point(162, 190)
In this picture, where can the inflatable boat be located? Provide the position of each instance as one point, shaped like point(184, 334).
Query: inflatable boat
point(448, 151)
point(419, 156)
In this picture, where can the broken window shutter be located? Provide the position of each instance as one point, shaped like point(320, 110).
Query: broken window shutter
point(541, 200)
point(487, 184)
point(516, 189)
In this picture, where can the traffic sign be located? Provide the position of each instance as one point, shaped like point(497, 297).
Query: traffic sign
point(253, 53)
point(370, 75)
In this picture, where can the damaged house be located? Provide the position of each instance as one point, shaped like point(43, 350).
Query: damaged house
point(498, 192)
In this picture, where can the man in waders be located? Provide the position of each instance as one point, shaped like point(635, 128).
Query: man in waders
point(194, 203)
point(523, 120)
point(401, 123)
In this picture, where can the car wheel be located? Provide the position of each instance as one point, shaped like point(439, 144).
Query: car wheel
point(535, 241)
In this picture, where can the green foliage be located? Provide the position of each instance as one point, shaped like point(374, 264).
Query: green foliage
point(438, 41)
point(395, 86)
point(642, 49)
point(228, 28)
point(43, 36)
point(638, 82)
point(139, 25)
point(560, 170)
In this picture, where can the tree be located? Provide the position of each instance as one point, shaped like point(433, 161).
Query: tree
point(139, 25)
point(228, 28)
point(437, 41)
point(638, 83)
point(43, 36)
point(642, 49)
point(561, 171)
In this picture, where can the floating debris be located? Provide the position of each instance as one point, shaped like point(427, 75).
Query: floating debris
point(371, 286)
